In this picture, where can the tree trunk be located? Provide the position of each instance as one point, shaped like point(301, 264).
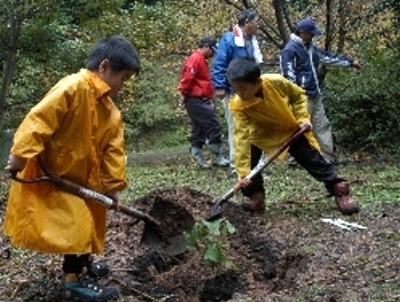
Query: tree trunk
point(342, 23)
point(330, 7)
point(8, 70)
point(280, 15)
point(9, 62)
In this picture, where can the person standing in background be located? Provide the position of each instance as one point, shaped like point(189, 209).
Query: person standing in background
point(299, 62)
point(197, 94)
point(240, 42)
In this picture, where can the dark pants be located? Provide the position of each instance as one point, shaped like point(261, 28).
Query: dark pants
point(204, 121)
point(308, 157)
point(74, 264)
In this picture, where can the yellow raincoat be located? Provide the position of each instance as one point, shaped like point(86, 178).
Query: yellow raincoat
point(78, 132)
point(267, 122)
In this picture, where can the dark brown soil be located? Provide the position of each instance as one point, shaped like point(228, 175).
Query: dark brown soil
point(278, 257)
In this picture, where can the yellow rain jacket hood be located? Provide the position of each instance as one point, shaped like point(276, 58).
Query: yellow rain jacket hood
point(268, 121)
point(77, 131)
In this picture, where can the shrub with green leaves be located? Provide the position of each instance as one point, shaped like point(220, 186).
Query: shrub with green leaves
point(211, 239)
point(363, 106)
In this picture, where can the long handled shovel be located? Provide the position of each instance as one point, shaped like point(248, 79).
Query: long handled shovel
point(165, 233)
point(217, 208)
point(83, 192)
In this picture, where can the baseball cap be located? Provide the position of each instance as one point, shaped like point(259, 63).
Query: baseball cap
point(308, 25)
point(208, 41)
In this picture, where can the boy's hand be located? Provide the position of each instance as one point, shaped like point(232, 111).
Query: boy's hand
point(305, 124)
point(244, 182)
point(114, 196)
point(15, 163)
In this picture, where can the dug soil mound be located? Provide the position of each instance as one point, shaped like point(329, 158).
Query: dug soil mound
point(279, 255)
point(270, 263)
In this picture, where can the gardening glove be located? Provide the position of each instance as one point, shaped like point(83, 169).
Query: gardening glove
point(15, 163)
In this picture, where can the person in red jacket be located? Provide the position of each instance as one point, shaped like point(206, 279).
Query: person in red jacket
point(197, 93)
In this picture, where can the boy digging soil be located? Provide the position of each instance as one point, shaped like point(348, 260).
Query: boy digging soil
point(76, 131)
point(267, 110)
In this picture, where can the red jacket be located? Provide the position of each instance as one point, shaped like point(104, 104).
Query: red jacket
point(195, 78)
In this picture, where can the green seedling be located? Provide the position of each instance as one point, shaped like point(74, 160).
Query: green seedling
point(210, 238)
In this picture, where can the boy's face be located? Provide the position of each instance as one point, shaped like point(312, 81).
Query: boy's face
point(114, 79)
point(244, 90)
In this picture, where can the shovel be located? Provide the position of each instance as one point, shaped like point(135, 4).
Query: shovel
point(163, 236)
point(216, 211)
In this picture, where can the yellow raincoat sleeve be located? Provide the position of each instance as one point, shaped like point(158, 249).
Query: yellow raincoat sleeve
point(242, 144)
point(297, 99)
point(114, 164)
point(40, 123)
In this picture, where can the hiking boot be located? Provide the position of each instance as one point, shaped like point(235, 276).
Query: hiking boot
point(346, 204)
point(98, 269)
point(255, 203)
point(88, 290)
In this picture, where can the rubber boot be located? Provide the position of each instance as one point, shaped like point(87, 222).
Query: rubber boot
point(346, 204)
point(220, 160)
point(197, 154)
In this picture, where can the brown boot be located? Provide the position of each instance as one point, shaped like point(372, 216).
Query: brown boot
point(255, 203)
point(346, 204)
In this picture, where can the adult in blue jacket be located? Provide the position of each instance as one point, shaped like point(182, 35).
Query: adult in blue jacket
point(299, 62)
point(240, 42)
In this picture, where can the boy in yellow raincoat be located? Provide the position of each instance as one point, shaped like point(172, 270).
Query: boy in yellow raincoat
point(77, 132)
point(267, 109)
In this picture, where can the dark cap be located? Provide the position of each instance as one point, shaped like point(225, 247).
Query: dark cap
point(208, 41)
point(308, 25)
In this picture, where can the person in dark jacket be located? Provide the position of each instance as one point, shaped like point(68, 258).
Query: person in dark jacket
point(197, 94)
point(299, 62)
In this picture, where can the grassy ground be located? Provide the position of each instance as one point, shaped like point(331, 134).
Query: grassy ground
point(372, 181)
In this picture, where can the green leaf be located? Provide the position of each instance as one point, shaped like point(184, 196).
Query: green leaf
point(214, 227)
point(214, 254)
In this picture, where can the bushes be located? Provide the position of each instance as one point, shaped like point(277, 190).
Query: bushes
point(363, 107)
point(152, 120)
